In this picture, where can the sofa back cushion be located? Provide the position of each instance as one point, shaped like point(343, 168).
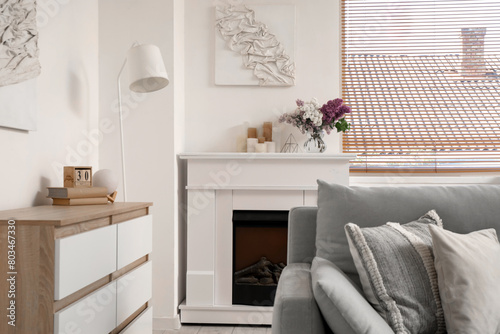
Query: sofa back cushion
point(463, 209)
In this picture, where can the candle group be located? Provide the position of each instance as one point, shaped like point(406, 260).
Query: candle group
point(263, 143)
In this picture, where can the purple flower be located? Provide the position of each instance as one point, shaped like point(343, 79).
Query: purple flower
point(328, 113)
point(342, 111)
point(330, 110)
point(299, 102)
point(337, 102)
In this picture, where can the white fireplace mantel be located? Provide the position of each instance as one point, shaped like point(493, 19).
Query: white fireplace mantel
point(265, 170)
point(264, 156)
point(219, 183)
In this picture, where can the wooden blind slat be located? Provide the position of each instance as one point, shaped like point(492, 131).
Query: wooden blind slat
point(423, 80)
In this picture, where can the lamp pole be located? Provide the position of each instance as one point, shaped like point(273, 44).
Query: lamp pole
point(121, 129)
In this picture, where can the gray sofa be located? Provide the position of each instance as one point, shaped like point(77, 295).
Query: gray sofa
point(314, 295)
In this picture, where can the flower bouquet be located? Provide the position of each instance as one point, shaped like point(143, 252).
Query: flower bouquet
point(314, 119)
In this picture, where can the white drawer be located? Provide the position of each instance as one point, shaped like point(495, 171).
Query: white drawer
point(133, 290)
point(83, 259)
point(135, 239)
point(94, 314)
point(142, 324)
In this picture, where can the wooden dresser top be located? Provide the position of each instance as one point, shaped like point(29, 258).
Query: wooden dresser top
point(58, 215)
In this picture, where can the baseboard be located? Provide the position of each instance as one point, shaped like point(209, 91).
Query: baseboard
point(166, 323)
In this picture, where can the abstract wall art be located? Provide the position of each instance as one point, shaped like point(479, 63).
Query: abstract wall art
point(19, 64)
point(255, 45)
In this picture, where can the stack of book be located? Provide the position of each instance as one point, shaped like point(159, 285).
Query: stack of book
point(78, 196)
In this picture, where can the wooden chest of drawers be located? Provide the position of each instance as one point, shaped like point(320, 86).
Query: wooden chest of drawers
point(81, 269)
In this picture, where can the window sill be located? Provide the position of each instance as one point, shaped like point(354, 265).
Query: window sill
point(395, 179)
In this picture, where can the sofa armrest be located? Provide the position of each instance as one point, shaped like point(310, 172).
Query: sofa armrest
point(295, 309)
point(302, 234)
point(342, 304)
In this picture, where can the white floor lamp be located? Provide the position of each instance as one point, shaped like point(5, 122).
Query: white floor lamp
point(146, 73)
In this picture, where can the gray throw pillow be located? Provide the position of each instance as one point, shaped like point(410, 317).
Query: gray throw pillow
point(468, 269)
point(396, 267)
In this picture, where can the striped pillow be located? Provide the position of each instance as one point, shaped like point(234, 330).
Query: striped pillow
point(396, 267)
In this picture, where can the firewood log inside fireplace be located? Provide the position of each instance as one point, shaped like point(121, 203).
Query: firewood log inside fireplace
point(263, 272)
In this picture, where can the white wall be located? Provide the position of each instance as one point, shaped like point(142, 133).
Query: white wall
point(150, 132)
point(179, 147)
point(216, 115)
point(67, 103)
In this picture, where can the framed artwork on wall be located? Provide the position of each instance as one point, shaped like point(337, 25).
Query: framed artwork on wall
point(19, 64)
point(255, 45)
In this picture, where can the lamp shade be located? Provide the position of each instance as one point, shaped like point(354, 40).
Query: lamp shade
point(146, 69)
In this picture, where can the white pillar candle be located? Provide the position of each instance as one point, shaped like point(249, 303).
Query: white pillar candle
point(270, 147)
point(251, 142)
point(260, 148)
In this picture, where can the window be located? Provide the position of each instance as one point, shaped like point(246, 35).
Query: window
point(423, 80)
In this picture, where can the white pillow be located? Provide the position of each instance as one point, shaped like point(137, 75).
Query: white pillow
point(468, 269)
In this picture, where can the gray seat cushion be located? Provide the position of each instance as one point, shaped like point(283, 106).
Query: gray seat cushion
point(295, 309)
point(462, 209)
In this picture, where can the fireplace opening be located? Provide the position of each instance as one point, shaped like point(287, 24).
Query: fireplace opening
point(259, 255)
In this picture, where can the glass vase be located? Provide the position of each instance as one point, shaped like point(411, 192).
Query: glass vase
point(315, 143)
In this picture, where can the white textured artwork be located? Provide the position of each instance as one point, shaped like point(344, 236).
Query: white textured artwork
point(255, 46)
point(18, 41)
point(19, 63)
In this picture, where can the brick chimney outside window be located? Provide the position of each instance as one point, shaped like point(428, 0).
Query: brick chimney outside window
point(473, 63)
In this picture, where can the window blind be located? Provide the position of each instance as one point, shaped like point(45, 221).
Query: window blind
point(422, 78)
